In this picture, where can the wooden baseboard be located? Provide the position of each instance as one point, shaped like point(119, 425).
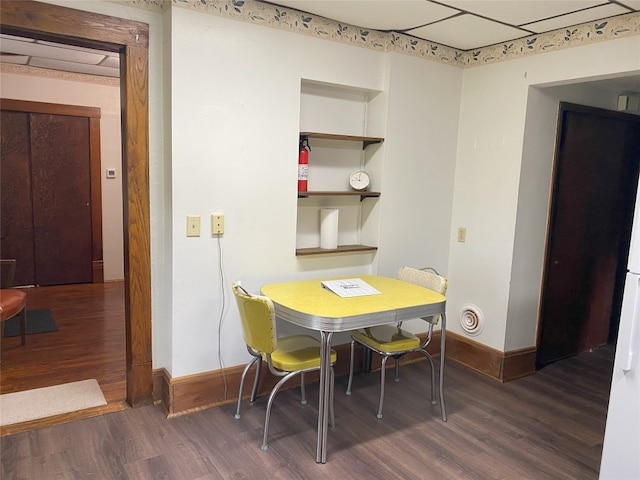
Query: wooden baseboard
point(97, 267)
point(502, 366)
point(204, 390)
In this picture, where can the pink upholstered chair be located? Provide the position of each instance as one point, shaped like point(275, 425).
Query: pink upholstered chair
point(12, 300)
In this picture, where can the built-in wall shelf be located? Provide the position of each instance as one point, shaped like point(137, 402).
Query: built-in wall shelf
point(340, 249)
point(332, 159)
point(366, 141)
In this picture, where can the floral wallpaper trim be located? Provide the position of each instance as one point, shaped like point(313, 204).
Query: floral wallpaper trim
point(605, 29)
point(57, 74)
point(153, 5)
point(264, 14)
point(267, 15)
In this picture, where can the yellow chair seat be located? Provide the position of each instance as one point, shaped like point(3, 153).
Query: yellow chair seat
point(298, 352)
point(387, 338)
point(392, 341)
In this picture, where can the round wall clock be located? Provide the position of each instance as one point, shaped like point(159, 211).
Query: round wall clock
point(360, 180)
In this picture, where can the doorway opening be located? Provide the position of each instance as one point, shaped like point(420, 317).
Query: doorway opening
point(130, 39)
point(593, 196)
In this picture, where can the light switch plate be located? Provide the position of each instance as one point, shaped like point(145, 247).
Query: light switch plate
point(193, 225)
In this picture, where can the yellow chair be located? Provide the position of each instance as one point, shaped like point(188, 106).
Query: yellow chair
point(285, 357)
point(393, 341)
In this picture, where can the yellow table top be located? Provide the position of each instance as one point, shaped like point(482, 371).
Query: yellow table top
point(307, 303)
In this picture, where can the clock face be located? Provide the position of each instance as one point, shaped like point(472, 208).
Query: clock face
point(359, 180)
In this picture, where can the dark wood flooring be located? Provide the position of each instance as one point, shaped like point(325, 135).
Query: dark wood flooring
point(546, 426)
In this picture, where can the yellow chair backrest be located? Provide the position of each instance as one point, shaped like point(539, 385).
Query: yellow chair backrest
point(258, 320)
point(425, 278)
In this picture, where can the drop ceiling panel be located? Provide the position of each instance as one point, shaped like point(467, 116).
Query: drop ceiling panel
point(15, 59)
point(111, 62)
point(57, 53)
point(635, 4)
point(521, 11)
point(74, 67)
point(377, 14)
point(603, 11)
point(80, 49)
point(466, 32)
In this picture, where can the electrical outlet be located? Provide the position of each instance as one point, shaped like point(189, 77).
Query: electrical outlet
point(462, 234)
point(193, 225)
point(217, 223)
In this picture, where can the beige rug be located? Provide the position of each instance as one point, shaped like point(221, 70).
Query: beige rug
point(45, 402)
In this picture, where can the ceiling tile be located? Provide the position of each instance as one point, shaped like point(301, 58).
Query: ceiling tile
point(80, 49)
point(467, 32)
point(583, 16)
point(58, 53)
point(378, 15)
point(16, 59)
point(635, 4)
point(111, 62)
point(4, 36)
point(74, 67)
point(521, 11)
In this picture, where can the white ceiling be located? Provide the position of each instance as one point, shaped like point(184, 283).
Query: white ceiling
point(461, 24)
point(55, 56)
point(464, 24)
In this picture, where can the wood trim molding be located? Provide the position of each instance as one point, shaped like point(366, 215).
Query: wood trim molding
point(49, 108)
point(204, 390)
point(130, 38)
point(191, 393)
point(501, 366)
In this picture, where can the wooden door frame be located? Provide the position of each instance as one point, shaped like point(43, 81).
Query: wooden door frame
point(92, 114)
point(131, 40)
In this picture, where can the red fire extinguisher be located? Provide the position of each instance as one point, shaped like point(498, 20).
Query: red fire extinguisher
point(303, 164)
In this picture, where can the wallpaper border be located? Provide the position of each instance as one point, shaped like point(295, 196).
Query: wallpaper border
point(265, 14)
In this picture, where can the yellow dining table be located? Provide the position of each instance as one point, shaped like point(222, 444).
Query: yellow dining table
point(308, 304)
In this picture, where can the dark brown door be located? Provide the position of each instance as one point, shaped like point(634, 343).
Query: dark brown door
point(46, 199)
point(16, 209)
point(595, 180)
point(61, 179)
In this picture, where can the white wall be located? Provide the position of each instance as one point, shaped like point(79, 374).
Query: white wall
point(236, 118)
point(107, 99)
point(422, 127)
point(489, 170)
point(228, 144)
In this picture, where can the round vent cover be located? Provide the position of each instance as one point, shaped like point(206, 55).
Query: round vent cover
point(471, 319)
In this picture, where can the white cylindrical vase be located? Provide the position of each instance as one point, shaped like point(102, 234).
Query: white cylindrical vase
point(329, 228)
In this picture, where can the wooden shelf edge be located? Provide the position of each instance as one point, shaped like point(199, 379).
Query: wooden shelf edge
point(341, 249)
point(334, 136)
point(338, 193)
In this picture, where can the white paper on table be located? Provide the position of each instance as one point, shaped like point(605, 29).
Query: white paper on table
point(349, 287)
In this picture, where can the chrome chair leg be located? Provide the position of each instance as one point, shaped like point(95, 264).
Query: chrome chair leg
point(442, 407)
point(348, 392)
point(242, 379)
point(282, 381)
point(433, 378)
point(256, 381)
point(382, 369)
point(332, 417)
point(396, 361)
point(303, 396)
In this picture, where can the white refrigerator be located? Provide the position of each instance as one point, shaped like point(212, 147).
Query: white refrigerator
point(621, 450)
